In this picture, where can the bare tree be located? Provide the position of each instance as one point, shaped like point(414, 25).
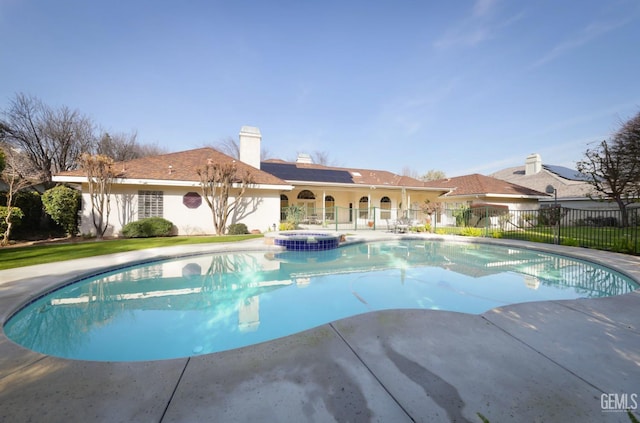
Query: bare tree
point(150, 149)
point(51, 139)
point(412, 173)
point(433, 175)
point(15, 181)
point(322, 158)
point(217, 180)
point(614, 166)
point(68, 134)
point(100, 177)
point(231, 147)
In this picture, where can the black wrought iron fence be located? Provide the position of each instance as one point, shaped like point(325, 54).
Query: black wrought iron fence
point(600, 229)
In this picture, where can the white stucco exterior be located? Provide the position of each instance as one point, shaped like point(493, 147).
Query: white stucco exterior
point(262, 209)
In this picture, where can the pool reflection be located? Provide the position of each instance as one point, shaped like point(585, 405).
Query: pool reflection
point(214, 302)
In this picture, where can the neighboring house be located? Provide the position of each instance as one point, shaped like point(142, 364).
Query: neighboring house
point(168, 186)
point(572, 188)
point(477, 189)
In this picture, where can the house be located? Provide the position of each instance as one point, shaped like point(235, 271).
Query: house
point(331, 194)
point(568, 187)
point(478, 189)
point(168, 186)
point(484, 192)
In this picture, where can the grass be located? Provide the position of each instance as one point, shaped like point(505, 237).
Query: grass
point(39, 254)
point(622, 240)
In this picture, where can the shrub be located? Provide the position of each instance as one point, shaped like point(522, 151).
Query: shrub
point(623, 245)
point(462, 215)
point(294, 215)
point(570, 242)
point(62, 204)
point(30, 203)
point(237, 229)
point(148, 227)
point(287, 226)
point(471, 231)
point(16, 217)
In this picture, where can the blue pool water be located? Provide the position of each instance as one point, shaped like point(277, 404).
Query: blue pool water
point(202, 304)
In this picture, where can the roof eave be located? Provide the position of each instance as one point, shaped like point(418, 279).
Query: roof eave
point(363, 185)
point(165, 182)
point(506, 196)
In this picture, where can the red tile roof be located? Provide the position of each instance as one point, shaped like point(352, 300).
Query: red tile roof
point(180, 166)
point(477, 184)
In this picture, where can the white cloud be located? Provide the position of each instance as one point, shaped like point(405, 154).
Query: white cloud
point(482, 24)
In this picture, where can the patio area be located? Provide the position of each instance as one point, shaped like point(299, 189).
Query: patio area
point(553, 361)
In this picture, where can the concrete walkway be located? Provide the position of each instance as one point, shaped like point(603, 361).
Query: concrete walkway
point(558, 361)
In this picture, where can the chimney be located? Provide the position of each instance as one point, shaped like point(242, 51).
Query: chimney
point(304, 158)
point(533, 164)
point(250, 139)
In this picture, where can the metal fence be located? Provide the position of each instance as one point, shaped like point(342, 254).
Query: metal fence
point(600, 229)
point(355, 219)
point(609, 230)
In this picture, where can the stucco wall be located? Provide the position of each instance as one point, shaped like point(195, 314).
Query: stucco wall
point(263, 210)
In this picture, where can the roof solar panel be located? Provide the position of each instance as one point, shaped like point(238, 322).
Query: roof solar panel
point(566, 173)
point(290, 172)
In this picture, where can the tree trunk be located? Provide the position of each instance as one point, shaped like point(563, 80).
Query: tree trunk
point(624, 213)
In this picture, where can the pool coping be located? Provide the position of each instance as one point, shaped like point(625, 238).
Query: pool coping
point(404, 365)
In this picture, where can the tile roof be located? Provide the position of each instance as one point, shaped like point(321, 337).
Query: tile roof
point(477, 184)
point(180, 166)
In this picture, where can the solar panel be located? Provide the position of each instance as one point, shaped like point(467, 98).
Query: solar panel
point(290, 172)
point(566, 173)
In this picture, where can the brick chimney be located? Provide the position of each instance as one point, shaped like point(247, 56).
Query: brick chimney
point(250, 139)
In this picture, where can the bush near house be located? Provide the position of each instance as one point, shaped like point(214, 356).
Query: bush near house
point(16, 218)
point(62, 204)
point(148, 227)
point(237, 229)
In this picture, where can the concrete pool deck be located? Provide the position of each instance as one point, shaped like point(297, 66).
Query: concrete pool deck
point(554, 361)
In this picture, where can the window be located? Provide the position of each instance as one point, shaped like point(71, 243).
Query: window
point(385, 208)
point(329, 205)
point(363, 208)
point(308, 203)
point(150, 204)
point(192, 200)
point(284, 203)
point(306, 195)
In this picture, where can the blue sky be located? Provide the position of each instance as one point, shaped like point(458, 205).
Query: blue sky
point(458, 86)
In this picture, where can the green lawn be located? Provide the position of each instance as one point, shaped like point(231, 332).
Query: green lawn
point(40, 254)
point(623, 240)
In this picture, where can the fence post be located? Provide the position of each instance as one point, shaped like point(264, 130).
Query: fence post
point(486, 221)
point(374, 218)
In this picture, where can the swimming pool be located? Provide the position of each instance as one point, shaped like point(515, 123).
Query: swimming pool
point(208, 303)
